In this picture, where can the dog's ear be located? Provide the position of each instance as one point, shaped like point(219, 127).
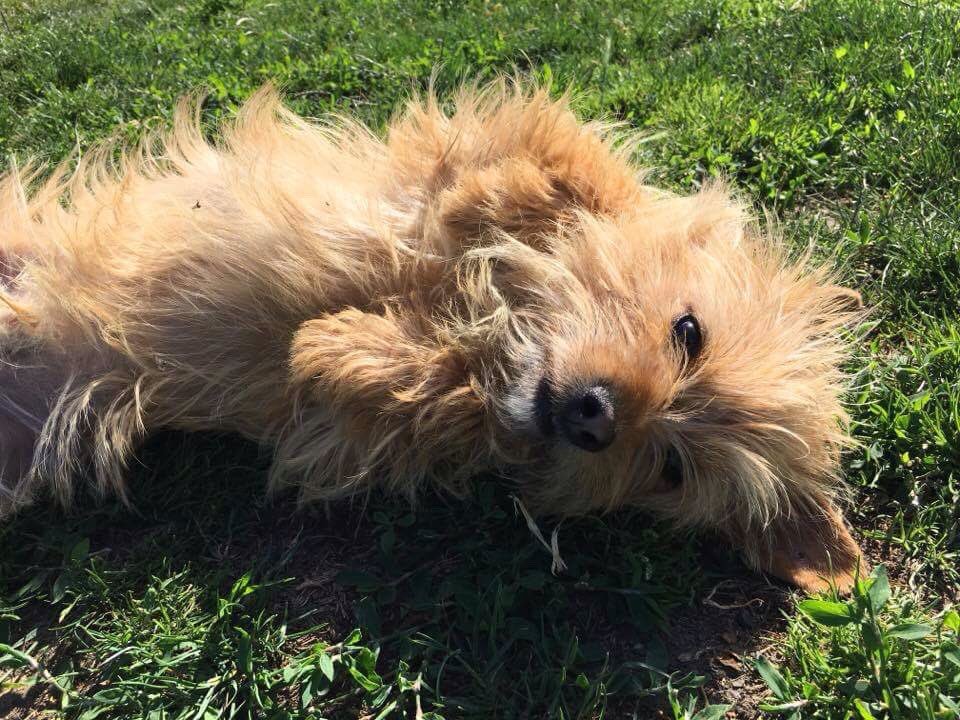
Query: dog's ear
point(715, 218)
point(845, 298)
point(811, 548)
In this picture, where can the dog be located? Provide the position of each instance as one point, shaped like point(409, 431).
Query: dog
point(491, 287)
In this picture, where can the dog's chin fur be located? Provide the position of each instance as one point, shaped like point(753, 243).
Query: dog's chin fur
point(404, 310)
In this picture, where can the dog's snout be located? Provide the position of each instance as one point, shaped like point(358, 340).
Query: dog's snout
point(589, 418)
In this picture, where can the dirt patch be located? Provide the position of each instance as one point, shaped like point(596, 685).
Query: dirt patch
point(718, 637)
point(737, 620)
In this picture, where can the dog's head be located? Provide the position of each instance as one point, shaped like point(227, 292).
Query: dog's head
point(675, 360)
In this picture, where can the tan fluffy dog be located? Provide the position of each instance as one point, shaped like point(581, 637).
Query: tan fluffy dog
point(491, 288)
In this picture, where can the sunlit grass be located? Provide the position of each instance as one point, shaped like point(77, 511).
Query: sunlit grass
point(208, 601)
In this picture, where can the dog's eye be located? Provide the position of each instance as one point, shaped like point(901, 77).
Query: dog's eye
point(672, 469)
point(687, 336)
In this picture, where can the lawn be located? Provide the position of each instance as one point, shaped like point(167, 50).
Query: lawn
point(208, 600)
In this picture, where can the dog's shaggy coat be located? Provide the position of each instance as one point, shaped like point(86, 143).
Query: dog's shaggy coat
point(416, 309)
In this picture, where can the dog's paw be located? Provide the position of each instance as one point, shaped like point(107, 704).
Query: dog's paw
point(811, 549)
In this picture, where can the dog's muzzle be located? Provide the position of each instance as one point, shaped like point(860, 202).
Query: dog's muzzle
point(585, 417)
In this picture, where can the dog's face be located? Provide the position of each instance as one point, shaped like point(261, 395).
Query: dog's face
point(677, 364)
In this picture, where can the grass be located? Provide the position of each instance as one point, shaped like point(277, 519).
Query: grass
point(880, 655)
point(208, 601)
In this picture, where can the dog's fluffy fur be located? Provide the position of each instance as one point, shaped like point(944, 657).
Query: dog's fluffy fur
point(386, 311)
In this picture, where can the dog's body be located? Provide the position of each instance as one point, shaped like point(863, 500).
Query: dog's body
point(492, 289)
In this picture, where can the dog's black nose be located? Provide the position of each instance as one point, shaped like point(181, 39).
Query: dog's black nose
point(588, 419)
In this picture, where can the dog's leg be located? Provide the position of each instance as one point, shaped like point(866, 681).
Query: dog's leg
point(394, 405)
point(18, 436)
point(23, 413)
point(61, 415)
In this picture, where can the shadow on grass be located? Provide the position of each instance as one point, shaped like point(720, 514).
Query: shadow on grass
point(207, 585)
